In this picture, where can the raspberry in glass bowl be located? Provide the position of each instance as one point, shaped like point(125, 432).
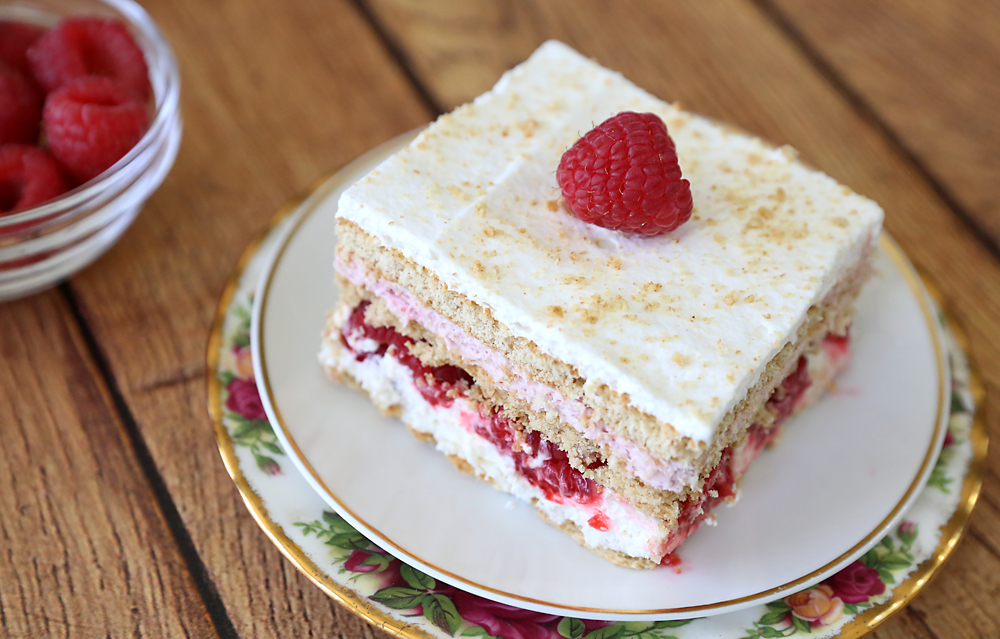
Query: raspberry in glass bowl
point(45, 240)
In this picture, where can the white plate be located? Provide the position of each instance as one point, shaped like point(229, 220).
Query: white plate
point(844, 474)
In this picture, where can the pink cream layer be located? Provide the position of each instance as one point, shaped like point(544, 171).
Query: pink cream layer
point(661, 474)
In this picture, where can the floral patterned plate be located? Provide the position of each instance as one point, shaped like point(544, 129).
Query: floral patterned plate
point(406, 601)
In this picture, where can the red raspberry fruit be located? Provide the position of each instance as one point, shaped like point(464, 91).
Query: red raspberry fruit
point(624, 175)
point(15, 38)
point(29, 177)
point(78, 47)
point(20, 108)
point(91, 123)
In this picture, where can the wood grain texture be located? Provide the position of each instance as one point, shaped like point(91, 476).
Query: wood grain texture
point(275, 96)
point(729, 60)
point(930, 70)
point(86, 553)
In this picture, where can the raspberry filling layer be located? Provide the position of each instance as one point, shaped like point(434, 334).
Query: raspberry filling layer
point(538, 460)
point(439, 385)
point(547, 467)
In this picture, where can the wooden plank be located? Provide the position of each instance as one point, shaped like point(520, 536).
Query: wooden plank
point(729, 60)
point(86, 551)
point(930, 69)
point(275, 96)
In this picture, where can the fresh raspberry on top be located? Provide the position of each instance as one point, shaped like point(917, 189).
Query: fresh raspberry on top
point(20, 108)
point(15, 38)
point(624, 175)
point(78, 47)
point(92, 122)
point(28, 178)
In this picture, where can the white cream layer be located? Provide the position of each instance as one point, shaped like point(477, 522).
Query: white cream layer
point(390, 383)
point(683, 323)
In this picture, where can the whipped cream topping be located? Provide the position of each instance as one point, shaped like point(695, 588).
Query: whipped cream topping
point(684, 323)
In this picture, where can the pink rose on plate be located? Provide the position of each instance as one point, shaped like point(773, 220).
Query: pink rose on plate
point(370, 560)
point(501, 620)
point(269, 466)
point(856, 583)
point(244, 399)
point(243, 362)
point(819, 605)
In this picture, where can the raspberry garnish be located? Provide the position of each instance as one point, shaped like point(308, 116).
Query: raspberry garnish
point(624, 175)
point(15, 38)
point(91, 123)
point(20, 108)
point(29, 177)
point(78, 47)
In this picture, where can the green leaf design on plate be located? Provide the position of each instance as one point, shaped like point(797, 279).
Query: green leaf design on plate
point(416, 578)
point(608, 632)
point(571, 628)
point(801, 624)
point(441, 611)
point(773, 617)
point(779, 605)
point(398, 597)
point(676, 623)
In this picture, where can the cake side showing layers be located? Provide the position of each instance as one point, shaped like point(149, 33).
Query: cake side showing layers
point(474, 201)
point(445, 403)
point(576, 413)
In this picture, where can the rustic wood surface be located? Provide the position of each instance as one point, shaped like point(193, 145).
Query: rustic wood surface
point(117, 516)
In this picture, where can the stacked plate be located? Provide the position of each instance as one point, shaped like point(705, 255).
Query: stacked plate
point(834, 527)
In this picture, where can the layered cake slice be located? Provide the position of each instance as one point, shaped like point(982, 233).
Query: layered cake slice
point(619, 381)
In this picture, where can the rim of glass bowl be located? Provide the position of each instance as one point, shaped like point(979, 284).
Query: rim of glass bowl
point(163, 70)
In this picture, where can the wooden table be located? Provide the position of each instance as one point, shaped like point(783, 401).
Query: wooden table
point(117, 517)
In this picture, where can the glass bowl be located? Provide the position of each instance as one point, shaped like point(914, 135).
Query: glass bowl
point(41, 246)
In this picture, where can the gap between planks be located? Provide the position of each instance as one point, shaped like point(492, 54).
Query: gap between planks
point(396, 52)
point(199, 574)
point(869, 113)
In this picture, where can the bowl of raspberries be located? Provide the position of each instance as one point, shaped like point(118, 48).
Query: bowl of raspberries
point(90, 125)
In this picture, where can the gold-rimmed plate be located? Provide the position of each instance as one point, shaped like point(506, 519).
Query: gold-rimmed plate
point(293, 516)
point(864, 452)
